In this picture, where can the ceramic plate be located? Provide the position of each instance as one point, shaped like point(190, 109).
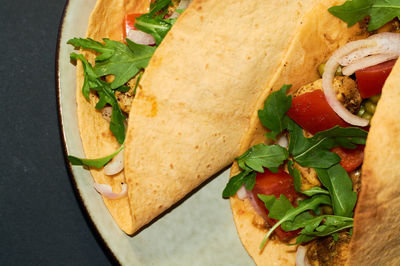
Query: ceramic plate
point(198, 231)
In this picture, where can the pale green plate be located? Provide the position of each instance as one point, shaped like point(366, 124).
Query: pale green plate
point(198, 231)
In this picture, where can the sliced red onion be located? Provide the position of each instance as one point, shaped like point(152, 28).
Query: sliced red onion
point(330, 95)
point(255, 206)
point(367, 62)
point(183, 4)
point(301, 256)
point(115, 165)
point(283, 141)
point(141, 37)
point(382, 43)
point(106, 113)
point(242, 193)
point(106, 191)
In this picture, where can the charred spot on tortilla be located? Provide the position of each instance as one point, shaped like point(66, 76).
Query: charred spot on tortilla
point(147, 105)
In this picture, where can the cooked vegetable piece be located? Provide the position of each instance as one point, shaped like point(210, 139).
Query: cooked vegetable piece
point(313, 113)
point(280, 183)
point(370, 80)
point(129, 23)
point(351, 159)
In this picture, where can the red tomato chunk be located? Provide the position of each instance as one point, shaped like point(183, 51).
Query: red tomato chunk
point(313, 113)
point(269, 183)
point(129, 23)
point(351, 159)
point(370, 80)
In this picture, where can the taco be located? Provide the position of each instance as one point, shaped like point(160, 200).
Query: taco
point(305, 190)
point(190, 110)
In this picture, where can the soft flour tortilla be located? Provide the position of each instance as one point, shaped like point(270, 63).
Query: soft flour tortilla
point(98, 141)
point(376, 238)
point(195, 101)
point(376, 235)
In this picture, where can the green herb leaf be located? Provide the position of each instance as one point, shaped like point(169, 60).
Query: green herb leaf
point(121, 60)
point(290, 215)
point(275, 108)
point(293, 172)
point(380, 12)
point(261, 155)
point(96, 163)
point(323, 226)
point(154, 23)
point(106, 95)
point(315, 190)
point(340, 187)
point(314, 151)
point(277, 207)
point(243, 178)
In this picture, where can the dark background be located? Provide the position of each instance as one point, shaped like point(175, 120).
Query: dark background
point(41, 220)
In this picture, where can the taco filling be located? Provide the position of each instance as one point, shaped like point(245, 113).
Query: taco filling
point(114, 78)
point(303, 181)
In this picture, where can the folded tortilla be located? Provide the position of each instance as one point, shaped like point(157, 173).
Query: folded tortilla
point(376, 238)
point(195, 100)
point(106, 21)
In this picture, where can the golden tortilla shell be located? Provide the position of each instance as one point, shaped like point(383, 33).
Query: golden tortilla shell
point(376, 238)
point(376, 235)
point(196, 100)
point(106, 21)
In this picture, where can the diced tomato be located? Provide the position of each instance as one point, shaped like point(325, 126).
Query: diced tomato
point(313, 113)
point(370, 80)
point(129, 23)
point(351, 158)
point(269, 183)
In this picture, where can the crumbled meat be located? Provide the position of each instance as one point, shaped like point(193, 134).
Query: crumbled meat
point(125, 98)
point(309, 178)
point(345, 88)
point(356, 179)
point(326, 251)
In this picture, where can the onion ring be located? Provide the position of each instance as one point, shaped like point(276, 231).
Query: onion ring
point(367, 62)
point(141, 37)
point(115, 165)
point(382, 43)
point(106, 191)
point(301, 257)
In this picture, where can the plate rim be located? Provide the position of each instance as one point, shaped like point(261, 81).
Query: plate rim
point(84, 209)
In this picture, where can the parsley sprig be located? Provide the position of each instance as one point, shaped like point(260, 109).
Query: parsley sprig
point(379, 11)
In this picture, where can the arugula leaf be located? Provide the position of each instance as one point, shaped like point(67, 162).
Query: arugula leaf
point(276, 207)
point(243, 178)
point(275, 108)
point(380, 12)
point(137, 82)
point(340, 187)
point(96, 163)
point(260, 156)
point(154, 23)
point(314, 151)
point(315, 190)
point(116, 58)
point(328, 225)
point(290, 215)
point(352, 11)
point(295, 173)
point(106, 95)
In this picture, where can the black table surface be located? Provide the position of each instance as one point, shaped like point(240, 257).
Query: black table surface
point(41, 218)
